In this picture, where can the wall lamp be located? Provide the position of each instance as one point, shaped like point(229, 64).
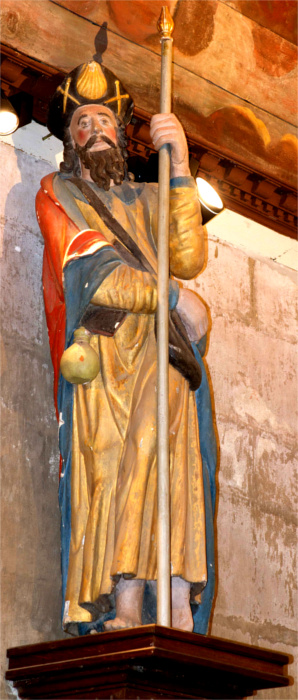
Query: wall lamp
point(211, 203)
point(15, 112)
point(9, 120)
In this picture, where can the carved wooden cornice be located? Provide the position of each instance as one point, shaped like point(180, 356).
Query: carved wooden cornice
point(249, 193)
point(243, 189)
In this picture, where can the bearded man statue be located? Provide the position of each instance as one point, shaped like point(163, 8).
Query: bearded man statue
point(99, 278)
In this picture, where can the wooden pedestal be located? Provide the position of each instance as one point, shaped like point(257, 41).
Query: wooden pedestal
point(145, 662)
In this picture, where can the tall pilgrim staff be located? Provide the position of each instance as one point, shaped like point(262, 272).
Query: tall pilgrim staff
point(165, 27)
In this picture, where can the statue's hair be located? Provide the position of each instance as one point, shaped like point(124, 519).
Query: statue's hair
point(71, 161)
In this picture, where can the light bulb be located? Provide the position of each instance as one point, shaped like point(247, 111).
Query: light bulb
point(208, 195)
point(9, 122)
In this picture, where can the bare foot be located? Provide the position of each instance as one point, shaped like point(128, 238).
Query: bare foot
point(129, 602)
point(119, 624)
point(181, 611)
point(182, 619)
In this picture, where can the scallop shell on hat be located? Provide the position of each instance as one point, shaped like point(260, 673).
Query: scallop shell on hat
point(91, 82)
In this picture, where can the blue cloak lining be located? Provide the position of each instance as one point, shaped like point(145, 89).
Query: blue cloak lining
point(82, 276)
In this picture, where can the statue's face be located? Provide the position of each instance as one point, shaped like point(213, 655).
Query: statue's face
point(88, 121)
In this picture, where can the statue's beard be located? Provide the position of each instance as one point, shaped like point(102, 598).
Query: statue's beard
point(104, 165)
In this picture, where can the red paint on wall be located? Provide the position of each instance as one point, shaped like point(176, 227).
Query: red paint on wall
point(193, 22)
point(280, 16)
point(137, 19)
point(194, 25)
point(274, 56)
point(80, 7)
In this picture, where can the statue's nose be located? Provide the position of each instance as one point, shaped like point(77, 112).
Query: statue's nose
point(97, 127)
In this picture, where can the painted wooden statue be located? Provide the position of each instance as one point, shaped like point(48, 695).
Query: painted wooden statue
point(99, 280)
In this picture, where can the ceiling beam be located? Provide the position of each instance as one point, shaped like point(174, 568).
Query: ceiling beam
point(220, 118)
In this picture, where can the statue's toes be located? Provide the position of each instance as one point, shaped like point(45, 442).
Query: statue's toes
point(117, 624)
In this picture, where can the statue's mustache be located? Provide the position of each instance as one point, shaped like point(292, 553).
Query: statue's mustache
point(94, 138)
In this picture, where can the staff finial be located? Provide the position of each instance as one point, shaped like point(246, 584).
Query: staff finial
point(165, 24)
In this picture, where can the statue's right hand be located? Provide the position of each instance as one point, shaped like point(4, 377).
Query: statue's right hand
point(166, 128)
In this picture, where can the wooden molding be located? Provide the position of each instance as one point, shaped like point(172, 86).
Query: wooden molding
point(242, 189)
point(144, 662)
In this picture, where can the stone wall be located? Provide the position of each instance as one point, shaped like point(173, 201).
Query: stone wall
point(252, 360)
point(253, 363)
point(30, 549)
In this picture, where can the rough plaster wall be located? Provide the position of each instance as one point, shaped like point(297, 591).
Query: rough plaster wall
point(252, 361)
point(30, 585)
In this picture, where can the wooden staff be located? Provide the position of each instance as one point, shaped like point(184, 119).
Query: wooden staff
point(165, 27)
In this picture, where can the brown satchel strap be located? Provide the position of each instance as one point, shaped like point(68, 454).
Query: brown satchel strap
point(123, 237)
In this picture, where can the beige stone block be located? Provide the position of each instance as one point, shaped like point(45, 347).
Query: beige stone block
point(273, 482)
point(29, 500)
point(27, 391)
point(21, 246)
point(255, 240)
point(236, 456)
point(231, 628)
point(19, 183)
point(254, 378)
point(275, 569)
point(290, 257)
point(235, 552)
point(30, 537)
point(22, 299)
point(225, 282)
point(30, 532)
point(30, 614)
point(256, 562)
point(275, 300)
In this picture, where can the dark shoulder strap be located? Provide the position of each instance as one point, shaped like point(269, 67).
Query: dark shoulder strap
point(181, 354)
point(110, 221)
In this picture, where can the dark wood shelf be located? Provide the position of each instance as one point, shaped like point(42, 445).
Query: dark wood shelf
point(145, 662)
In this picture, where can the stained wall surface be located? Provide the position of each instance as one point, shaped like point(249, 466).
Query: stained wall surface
point(30, 551)
point(252, 360)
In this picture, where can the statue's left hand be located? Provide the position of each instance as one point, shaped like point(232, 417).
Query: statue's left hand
point(166, 128)
point(193, 313)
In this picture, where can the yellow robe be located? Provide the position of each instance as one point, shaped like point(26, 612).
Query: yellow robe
point(114, 480)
